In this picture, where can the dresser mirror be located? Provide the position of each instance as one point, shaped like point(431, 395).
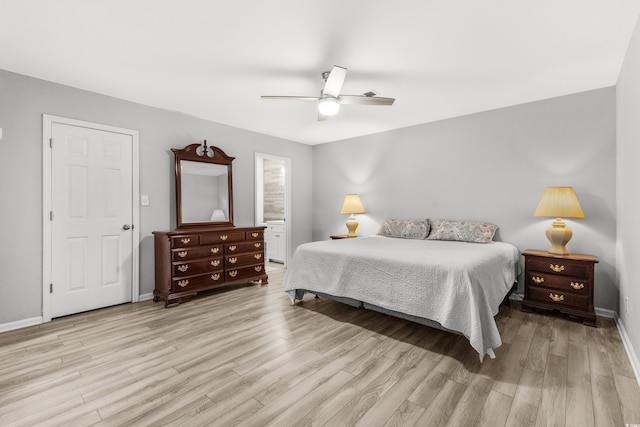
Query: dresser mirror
point(204, 191)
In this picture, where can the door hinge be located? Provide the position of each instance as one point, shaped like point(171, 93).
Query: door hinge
point(50, 288)
point(50, 215)
point(50, 142)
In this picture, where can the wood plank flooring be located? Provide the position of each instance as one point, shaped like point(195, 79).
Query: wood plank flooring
point(244, 356)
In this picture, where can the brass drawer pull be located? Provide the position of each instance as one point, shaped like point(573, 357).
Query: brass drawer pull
point(255, 234)
point(232, 248)
point(577, 285)
point(556, 297)
point(182, 254)
point(183, 283)
point(215, 262)
point(183, 268)
point(257, 245)
point(224, 237)
point(257, 256)
point(233, 260)
point(233, 273)
point(185, 240)
point(557, 268)
point(536, 279)
point(258, 268)
point(215, 276)
point(215, 250)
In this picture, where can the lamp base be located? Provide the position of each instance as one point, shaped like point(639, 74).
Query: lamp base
point(559, 235)
point(352, 224)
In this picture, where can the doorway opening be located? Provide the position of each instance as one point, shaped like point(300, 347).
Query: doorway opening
point(273, 204)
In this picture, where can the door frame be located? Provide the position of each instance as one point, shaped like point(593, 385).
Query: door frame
point(287, 196)
point(47, 125)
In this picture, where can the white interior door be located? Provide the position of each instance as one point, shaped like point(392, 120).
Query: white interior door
point(91, 218)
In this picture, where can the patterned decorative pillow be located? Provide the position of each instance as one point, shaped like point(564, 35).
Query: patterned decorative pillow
point(462, 231)
point(405, 228)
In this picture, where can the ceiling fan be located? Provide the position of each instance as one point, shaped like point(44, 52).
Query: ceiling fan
point(330, 99)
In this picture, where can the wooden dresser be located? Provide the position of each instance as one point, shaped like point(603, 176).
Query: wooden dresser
point(560, 282)
point(190, 260)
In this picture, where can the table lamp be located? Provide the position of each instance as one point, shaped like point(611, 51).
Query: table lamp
point(351, 206)
point(558, 203)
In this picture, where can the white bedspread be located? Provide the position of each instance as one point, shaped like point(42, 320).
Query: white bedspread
point(459, 285)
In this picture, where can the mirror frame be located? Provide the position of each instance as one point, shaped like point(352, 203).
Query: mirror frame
point(203, 154)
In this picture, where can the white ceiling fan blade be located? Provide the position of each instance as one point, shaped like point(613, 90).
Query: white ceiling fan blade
point(334, 82)
point(365, 100)
point(294, 98)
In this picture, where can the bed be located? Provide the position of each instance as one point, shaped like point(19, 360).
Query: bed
point(457, 286)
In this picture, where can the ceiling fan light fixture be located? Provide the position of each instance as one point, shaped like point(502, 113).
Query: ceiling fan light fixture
point(328, 106)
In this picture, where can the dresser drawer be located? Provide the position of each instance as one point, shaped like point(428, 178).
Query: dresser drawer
point(558, 266)
point(558, 297)
point(254, 235)
point(243, 272)
point(241, 260)
point(194, 282)
point(560, 283)
point(222, 236)
point(189, 268)
point(184, 254)
point(234, 248)
point(185, 240)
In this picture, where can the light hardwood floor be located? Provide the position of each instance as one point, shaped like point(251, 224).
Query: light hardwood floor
point(244, 355)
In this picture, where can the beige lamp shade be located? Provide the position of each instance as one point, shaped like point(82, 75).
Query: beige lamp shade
point(559, 202)
point(351, 206)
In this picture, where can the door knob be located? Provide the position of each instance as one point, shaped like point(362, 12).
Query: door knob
point(127, 227)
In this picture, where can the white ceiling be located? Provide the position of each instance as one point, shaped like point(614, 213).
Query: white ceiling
point(213, 59)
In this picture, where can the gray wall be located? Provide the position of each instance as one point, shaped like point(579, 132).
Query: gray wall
point(23, 100)
point(491, 166)
point(628, 198)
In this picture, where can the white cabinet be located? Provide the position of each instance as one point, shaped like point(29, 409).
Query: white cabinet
point(275, 237)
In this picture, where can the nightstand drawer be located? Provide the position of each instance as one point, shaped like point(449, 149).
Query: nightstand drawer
point(558, 266)
point(559, 283)
point(558, 297)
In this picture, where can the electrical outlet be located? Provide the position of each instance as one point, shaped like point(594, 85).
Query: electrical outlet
point(144, 200)
point(626, 305)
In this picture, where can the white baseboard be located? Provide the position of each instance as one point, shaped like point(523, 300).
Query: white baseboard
point(606, 313)
point(24, 323)
point(18, 324)
point(145, 297)
point(633, 357)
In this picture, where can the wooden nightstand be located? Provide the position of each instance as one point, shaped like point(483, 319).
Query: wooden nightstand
point(341, 236)
point(560, 282)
